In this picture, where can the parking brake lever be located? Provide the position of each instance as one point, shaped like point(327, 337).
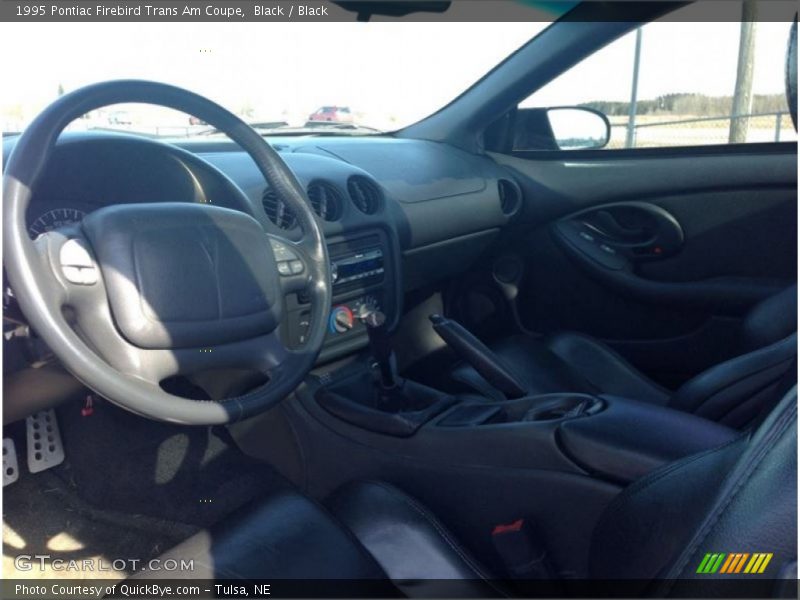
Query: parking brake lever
point(479, 355)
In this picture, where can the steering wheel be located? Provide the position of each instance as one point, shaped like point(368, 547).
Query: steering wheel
point(137, 293)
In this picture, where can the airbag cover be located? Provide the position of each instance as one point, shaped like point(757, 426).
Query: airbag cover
point(184, 275)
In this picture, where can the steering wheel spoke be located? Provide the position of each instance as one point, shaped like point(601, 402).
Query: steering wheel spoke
point(43, 249)
point(55, 250)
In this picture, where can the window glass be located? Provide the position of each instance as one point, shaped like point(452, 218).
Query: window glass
point(382, 77)
point(683, 84)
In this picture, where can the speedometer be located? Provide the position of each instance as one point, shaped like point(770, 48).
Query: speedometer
point(53, 219)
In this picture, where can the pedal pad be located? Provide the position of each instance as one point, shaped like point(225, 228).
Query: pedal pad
point(45, 449)
point(10, 464)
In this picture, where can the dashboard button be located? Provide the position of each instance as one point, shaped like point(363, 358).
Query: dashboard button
point(282, 252)
point(296, 267)
point(284, 268)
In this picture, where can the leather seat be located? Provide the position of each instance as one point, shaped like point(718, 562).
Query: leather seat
point(378, 541)
point(734, 393)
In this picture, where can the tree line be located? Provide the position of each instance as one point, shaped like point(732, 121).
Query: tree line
point(689, 104)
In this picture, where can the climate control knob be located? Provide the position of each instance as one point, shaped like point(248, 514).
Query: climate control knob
point(341, 319)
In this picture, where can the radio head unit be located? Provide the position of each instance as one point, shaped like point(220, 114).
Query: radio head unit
point(357, 262)
point(365, 267)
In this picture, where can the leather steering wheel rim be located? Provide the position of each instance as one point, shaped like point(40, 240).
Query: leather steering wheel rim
point(33, 272)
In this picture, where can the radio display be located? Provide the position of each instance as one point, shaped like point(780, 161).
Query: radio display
point(356, 267)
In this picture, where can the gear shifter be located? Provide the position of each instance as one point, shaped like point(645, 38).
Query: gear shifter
point(381, 401)
point(380, 346)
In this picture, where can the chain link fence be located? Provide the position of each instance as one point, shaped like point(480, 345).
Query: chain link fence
point(654, 131)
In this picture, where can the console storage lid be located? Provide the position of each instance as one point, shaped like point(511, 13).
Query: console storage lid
point(630, 438)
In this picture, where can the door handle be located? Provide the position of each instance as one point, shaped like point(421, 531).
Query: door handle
point(636, 230)
point(604, 224)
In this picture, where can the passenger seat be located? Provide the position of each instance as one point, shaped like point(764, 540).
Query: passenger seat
point(735, 392)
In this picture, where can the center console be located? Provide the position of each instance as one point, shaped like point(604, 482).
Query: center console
point(611, 438)
point(364, 272)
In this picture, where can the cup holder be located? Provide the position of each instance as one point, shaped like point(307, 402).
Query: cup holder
point(563, 407)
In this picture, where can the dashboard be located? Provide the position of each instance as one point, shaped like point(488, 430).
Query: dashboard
point(397, 214)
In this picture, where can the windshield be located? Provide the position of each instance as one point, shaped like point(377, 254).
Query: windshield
point(338, 78)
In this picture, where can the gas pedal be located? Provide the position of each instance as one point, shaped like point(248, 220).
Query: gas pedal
point(10, 464)
point(45, 449)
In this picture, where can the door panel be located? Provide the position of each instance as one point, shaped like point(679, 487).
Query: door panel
point(744, 233)
point(677, 313)
point(617, 256)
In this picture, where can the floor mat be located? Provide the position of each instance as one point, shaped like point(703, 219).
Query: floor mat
point(195, 475)
point(43, 517)
point(130, 488)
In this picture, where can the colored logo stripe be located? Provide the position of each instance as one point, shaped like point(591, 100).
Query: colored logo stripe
point(727, 564)
point(711, 563)
point(734, 563)
point(758, 563)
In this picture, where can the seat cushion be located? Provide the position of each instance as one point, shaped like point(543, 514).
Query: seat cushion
point(770, 321)
point(738, 391)
point(283, 536)
point(566, 362)
point(605, 370)
point(378, 541)
point(412, 547)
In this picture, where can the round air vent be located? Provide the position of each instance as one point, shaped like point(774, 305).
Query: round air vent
point(277, 210)
point(325, 199)
point(510, 197)
point(365, 194)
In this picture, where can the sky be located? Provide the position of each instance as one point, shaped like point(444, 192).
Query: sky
point(389, 74)
point(675, 58)
point(395, 70)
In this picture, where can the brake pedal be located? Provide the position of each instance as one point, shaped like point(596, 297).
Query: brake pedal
point(45, 449)
point(10, 464)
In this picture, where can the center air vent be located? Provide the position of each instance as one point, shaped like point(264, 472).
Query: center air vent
point(326, 200)
point(510, 197)
point(277, 210)
point(365, 194)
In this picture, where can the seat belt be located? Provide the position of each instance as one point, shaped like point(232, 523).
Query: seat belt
point(521, 550)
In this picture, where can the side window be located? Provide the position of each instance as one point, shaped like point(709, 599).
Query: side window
point(668, 84)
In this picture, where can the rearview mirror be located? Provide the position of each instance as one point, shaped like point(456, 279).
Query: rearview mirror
point(560, 128)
